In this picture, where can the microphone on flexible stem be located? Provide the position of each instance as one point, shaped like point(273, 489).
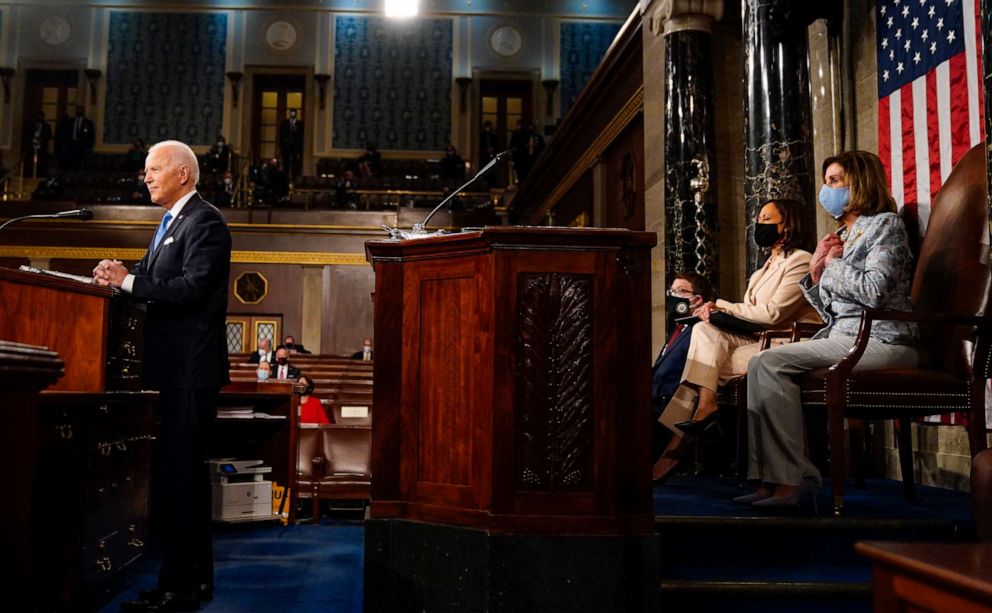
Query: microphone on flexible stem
point(420, 229)
point(80, 214)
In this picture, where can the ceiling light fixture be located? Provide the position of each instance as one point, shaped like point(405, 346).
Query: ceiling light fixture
point(401, 8)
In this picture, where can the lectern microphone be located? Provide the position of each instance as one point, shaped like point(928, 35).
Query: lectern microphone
point(80, 214)
point(420, 229)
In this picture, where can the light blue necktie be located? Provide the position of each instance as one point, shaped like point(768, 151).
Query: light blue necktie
point(161, 230)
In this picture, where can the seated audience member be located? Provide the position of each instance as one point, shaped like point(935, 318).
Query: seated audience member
point(282, 368)
point(344, 193)
point(773, 298)
point(271, 183)
point(224, 194)
point(138, 192)
point(366, 354)
point(289, 343)
point(867, 263)
point(264, 371)
point(52, 188)
point(134, 160)
point(311, 409)
point(370, 162)
point(219, 156)
point(452, 165)
point(264, 352)
point(688, 291)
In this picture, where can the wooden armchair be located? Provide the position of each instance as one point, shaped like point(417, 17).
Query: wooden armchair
point(950, 293)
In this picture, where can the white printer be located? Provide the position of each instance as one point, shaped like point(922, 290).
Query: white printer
point(240, 490)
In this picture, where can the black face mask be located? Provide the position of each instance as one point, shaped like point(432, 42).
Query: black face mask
point(766, 234)
point(281, 361)
point(289, 345)
point(678, 307)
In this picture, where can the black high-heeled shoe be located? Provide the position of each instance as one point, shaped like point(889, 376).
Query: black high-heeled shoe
point(700, 425)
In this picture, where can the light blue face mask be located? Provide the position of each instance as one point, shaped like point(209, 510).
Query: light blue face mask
point(262, 374)
point(834, 199)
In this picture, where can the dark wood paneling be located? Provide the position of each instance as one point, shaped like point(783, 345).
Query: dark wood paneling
point(347, 308)
point(595, 116)
point(579, 202)
point(67, 317)
point(285, 295)
point(485, 337)
point(618, 213)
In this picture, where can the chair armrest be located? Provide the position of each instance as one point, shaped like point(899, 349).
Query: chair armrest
point(848, 362)
point(765, 338)
point(947, 319)
point(804, 329)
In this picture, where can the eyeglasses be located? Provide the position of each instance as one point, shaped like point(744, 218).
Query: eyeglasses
point(680, 293)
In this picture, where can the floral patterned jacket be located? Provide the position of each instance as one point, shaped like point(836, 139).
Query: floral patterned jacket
point(876, 271)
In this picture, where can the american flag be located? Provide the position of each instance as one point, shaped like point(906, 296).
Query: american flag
point(930, 103)
point(929, 94)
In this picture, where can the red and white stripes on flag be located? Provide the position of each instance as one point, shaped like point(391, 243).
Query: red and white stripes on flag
point(930, 105)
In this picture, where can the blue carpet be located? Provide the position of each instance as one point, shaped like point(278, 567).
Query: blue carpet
point(262, 568)
point(268, 567)
point(693, 496)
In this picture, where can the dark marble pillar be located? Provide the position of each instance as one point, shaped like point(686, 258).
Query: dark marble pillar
point(690, 208)
point(987, 84)
point(778, 128)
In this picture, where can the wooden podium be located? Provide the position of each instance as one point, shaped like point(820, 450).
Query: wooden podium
point(83, 445)
point(99, 338)
point(512, 404)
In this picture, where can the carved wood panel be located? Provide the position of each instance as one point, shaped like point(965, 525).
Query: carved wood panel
point(554, 387)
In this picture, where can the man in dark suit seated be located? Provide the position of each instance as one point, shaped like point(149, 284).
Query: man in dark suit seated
point(281, 368)
point(366, 354)
point(184, 278)
point(688, 289)
point(264, 353)
point(289, 343)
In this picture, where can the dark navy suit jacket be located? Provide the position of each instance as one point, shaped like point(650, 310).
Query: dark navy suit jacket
point(184, 281)
point(667, 371)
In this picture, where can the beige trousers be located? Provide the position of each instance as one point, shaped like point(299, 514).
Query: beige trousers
point(715, 357)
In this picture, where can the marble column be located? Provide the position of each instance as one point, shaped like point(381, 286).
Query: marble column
point(690, 207)
point(987, 85)
point(777, 121)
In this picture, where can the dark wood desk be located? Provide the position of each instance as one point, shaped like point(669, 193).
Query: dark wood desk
point(930, 576)
point(273, 441)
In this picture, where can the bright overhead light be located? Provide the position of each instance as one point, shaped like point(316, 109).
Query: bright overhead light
point(401, 8)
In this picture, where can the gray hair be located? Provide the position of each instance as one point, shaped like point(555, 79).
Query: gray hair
point(180, 154)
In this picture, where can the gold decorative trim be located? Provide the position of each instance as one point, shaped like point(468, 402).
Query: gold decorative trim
point(275, 331)
point(306, 258)
point(619, 123)
point(299, 257)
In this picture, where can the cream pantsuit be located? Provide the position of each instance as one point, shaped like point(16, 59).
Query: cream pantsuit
point(773, 298)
